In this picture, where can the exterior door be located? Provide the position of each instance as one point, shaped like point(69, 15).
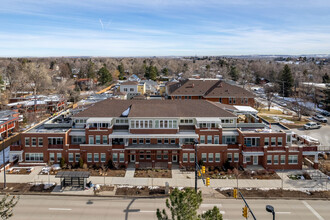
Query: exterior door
point(255, 160)
point(174, 158)
point(132, 158)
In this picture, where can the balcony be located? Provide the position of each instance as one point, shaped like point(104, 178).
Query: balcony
point(184, 128)
point(55, 146)
point(252, 149)
point(310, 148)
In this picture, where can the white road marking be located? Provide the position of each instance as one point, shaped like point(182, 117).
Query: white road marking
point(282, 212)
point(312, 210)
point(211, 205)
point(147, 211)
point(59, 209)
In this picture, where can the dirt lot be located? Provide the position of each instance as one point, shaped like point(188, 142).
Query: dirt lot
point(153, 173)
point(277, 193)
point(217, 173)
point(141, 191)
point(25, 188)
point(93, 172)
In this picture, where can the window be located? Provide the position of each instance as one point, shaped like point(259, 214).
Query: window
point(131, 89)
point(202, 139)
point(228, 139)
point(159, 155)
point(103, 157)
point(148, 155)
point(236, 157)
point(141, 141)
point(115, 157)
point(293, 159)
point(234, 100)
point(165, 155)
point(159, 141)
point(166, 141)
point(269, 159)
point(34, 157)
point(217, 157)
point(204, 157)
point(27, 142)
point(71, 157)
point(192, 157)
point(230, 100)
point(266, 141)
point(40, 142)
point(282, 159)
point(141, 155)
point(134, 141)
point(279, 141)
point(185, 157)
point(220, 100)
point(246, 100)
point(97, 139)
point(209, 139)
point(104, 139)
point(273, 141)
point(89, 157)
point(172, 141)
point(288, 138)
point(251, 142)
point(216, 139)
point(78, 139)
point(77, 157)
point(51, 157)
point(248, 159)
point(210, 157)
point(147, 141)
point(58, 157)
point(34, 141)
point(230, 157)
point(96, 157)
point(91, 139)
point(275, 159)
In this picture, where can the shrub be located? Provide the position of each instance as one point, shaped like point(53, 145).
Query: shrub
point(110, 164)
point(81, 162)
point(62, 163)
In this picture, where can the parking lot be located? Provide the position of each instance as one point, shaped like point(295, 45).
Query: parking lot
point(322, 134)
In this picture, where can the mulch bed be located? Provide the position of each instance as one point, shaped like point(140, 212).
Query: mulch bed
point(25, 188)
point(140, 191)
point(277, 193)
point(247, 174)
point(93, 172)
point(21, 171)
point(153, 173)
point(106, 188)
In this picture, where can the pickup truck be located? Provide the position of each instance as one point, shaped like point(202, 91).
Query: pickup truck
point(312, 125)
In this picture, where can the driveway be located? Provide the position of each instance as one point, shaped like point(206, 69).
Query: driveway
point(322, 134)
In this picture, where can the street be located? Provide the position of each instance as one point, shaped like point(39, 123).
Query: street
point(77, 207)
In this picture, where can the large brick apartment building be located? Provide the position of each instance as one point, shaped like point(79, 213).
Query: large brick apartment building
point(213, 90)
point(153, 132)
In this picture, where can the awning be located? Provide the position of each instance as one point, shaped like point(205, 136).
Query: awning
point(245, 109)
point(229, 133)
point(77, 133)
point(177, 135)
point(81, 174)
point(99, 120)
point(208, 120)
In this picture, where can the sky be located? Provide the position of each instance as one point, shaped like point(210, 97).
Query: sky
point(163, 27)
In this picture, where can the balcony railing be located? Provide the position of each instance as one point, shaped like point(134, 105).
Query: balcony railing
point(312, 148)
point(55, 146)
point(252, 149)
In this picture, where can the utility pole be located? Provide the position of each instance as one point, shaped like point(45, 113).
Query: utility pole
point(195, 143)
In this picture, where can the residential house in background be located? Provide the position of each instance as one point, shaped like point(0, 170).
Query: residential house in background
point(8, 123)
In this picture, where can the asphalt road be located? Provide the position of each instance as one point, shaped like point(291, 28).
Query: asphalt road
point(74, 207)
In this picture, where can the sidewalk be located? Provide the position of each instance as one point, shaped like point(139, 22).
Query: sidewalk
point(178, 180)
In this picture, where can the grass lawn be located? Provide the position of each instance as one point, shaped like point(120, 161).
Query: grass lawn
point(271, 111)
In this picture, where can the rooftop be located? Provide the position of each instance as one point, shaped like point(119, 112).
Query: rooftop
point(155, 108)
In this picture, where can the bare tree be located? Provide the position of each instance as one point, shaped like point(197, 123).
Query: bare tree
point(270, 94)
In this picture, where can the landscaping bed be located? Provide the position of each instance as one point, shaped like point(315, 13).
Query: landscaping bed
point(304, 176)
point(219, 173)
point(93, 172)
point(276, 193)
point(22, 188)
point(24, 171)
point(140, 191)
point(153, 173)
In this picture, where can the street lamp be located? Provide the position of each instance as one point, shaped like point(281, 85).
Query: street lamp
point(270, 208)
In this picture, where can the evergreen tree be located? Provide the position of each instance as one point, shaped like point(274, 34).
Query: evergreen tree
point(286, 81)
point(183, 205)
point(326, 92)
point(165, 71)
point(104, 75)
point(151, 72)
point(233, 73)
point(6, 207)
point(90, 70)
point(121, 70)
point(326, 78)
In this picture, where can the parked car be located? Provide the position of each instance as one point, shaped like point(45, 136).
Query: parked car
point(325, 113)
point(56, 167)
point(320, 118)
point(312, 125)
